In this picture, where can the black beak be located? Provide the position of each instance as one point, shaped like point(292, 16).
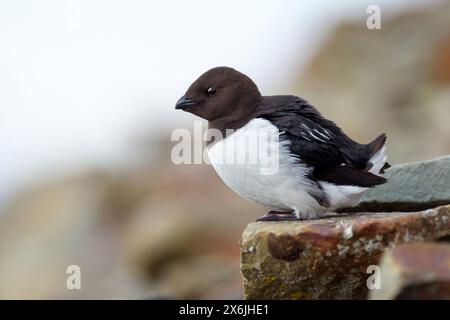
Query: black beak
point(184, 103)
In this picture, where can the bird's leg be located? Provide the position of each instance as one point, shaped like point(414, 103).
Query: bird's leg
point(279, 216)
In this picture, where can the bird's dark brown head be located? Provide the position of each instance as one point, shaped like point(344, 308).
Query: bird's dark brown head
point(221, 92)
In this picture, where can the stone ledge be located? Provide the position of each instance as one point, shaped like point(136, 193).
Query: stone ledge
point(328, 258)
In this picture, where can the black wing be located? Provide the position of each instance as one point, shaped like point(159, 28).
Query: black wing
point(320, 143)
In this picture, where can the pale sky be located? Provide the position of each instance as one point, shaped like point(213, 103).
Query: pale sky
point(80, 79)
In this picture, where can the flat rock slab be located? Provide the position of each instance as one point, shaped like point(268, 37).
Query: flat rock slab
point(328, 258)
point(410, 187)
point(415, 271)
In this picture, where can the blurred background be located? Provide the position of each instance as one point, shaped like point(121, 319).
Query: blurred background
point(87, 109)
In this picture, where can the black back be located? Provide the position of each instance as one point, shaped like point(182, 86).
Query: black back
point(320, 143)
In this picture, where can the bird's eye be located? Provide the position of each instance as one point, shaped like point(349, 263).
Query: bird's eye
point(211, 91)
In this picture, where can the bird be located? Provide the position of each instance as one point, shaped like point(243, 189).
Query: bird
point(319, 169)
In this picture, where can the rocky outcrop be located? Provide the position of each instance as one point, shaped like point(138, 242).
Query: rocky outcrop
point(415, 271)
point(328, 258)
point(331, 258)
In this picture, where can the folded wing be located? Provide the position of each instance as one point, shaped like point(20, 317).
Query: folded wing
point(322, 145)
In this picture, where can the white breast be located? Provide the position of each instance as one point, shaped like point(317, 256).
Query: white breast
point(256, 165)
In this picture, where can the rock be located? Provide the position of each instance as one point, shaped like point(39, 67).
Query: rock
point(61, 223)
point(189, 248)
point(202, 277)
point(410, 187)
point(137, 233)
point(187, 258)
point(415, 271)
point(328, 258)
point(410, 104)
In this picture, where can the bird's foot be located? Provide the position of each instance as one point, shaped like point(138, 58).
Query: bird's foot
point(278, 216)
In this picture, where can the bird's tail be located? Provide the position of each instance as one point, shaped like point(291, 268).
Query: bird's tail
point(377, 155)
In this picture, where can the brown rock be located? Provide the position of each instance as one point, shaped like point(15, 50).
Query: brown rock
point(411, 55)
point(61, 223)
point(328, 258)
point(415, 271)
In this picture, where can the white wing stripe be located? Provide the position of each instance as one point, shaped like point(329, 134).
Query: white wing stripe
point(326, 137)
point(304, 136)
point(315, 137)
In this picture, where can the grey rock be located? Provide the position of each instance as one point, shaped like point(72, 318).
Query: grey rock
point(410, 187)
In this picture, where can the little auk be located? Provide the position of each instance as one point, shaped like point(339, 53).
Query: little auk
point(320, 168)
